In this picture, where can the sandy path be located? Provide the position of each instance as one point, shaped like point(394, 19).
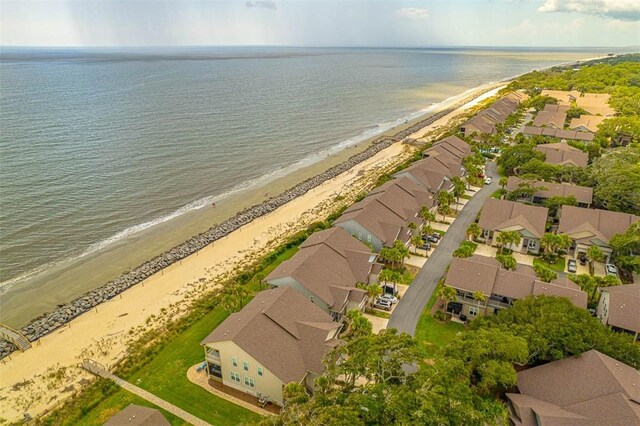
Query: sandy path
point(28, 380)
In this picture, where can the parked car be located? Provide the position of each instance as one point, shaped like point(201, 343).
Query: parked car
point(391, 298)
point(425, 246)
point(611, 269)
point(381, 303)
point(582, 258)
point(431, 239)
point(572, 265)
point(389, 289)
point(436, 235)
point(488, 180)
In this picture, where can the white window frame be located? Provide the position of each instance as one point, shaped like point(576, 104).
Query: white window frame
point(235, 376)
point(473, 310)
point(368, 238)
point(260, 371)
point(234, 361)
point(360, 236)
point(245, 365)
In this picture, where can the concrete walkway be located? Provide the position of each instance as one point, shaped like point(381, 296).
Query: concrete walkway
point(406, 315)
point(99, 370)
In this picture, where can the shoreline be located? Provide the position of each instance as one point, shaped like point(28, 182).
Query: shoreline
point(63, 314)
point(49, 321)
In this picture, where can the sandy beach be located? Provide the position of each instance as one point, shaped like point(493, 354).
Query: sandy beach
point(27, 382)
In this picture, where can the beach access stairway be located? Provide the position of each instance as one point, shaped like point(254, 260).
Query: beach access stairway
point(14, 336)
point(101, 371)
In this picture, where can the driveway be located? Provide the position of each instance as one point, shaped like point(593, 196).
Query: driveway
point(406, 314)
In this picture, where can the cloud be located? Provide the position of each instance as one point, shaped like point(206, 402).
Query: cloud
point(624, 10)
point(412, 13)
point(265, 4)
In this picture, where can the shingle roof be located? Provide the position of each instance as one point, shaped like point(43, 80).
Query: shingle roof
point(558, 133)
point(329, 264)
point(283, 331)
point(485, 120)
point(432, 173)
point(499, 215)
point(592, 389)
point(589, 122)
point(562, 154)
point(589, 224)
point(480, 273)
point(595, 103)
point(583, 194)
point(549, 118)
point(624, 306)
point(136, 415)
point(452, 146)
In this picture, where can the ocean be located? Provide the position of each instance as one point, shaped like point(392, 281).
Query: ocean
point(98, 147)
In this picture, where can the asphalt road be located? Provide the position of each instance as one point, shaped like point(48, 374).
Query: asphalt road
point(407, 313)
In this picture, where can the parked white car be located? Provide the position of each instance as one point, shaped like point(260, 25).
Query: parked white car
point(611, 269)
point(390, 298)
point(488, 180)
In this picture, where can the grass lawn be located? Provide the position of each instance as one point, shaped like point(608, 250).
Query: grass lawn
point(497, 194)
point(465, 196)
point(432, 333)
point(165, 375)
point(559, 266)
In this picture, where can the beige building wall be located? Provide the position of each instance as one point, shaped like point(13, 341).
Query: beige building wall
point(266, 385)
point(603, 307)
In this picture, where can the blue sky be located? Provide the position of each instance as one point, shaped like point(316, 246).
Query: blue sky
point(573, 23)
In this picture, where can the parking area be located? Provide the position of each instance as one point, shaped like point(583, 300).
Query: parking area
point(416, 260)
point(488, 251)
point(377, 322)
point(402, 289)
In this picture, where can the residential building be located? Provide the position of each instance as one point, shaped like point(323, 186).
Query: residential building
point(586, 123)
point(278, 338)
point(434, 173)
point(563, 154)
point(619, 307)
point(589, 389)
point(486, 120)
point(592, 227)
point(502, 216)
point(551, 116)
point(452, 146)
point(558, 133)
point(594, 103)
point(326, 270)
point(501, 287)
point(546, 190)
point(137, 415)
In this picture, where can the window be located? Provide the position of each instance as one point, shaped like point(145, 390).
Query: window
point(245, 365)
point(259, 371)
point(248, 381)
point(235, 376)
point(234, 362)
point(473, 310)
point(369, 238)
point(531, 245)
point(360, 236)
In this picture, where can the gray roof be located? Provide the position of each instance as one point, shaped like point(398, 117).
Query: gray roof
point(283, 331)
point(593, 224)
point(484, 274)
point(591, 389)
point(624, 306)
point(562, 153)
point(583, 194)
point(452, 146)
point(500, 215)
point(136, 415)
point(329, 264)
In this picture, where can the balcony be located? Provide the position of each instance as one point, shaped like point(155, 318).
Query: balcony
point(213, 356)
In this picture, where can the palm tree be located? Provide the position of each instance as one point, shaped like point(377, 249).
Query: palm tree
point(594, 254)
point(479, 296)
point(416, 240)
point(508, 238)
point(403, 252)
point(373, 291)
point(473, 231)
point(503, 182)
point(447, 294)
point(606, 281)
point(413, 227)
point(426, 214)
point(458, 189)
point(389, 276)
point(586, 283)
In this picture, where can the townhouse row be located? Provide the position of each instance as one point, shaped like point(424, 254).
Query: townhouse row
point(282, 335)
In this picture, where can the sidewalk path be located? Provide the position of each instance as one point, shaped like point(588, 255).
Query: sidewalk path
point(99, 370)
point(406, 315)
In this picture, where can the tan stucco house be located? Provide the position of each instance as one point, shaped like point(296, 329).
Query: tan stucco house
point(278, 338)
